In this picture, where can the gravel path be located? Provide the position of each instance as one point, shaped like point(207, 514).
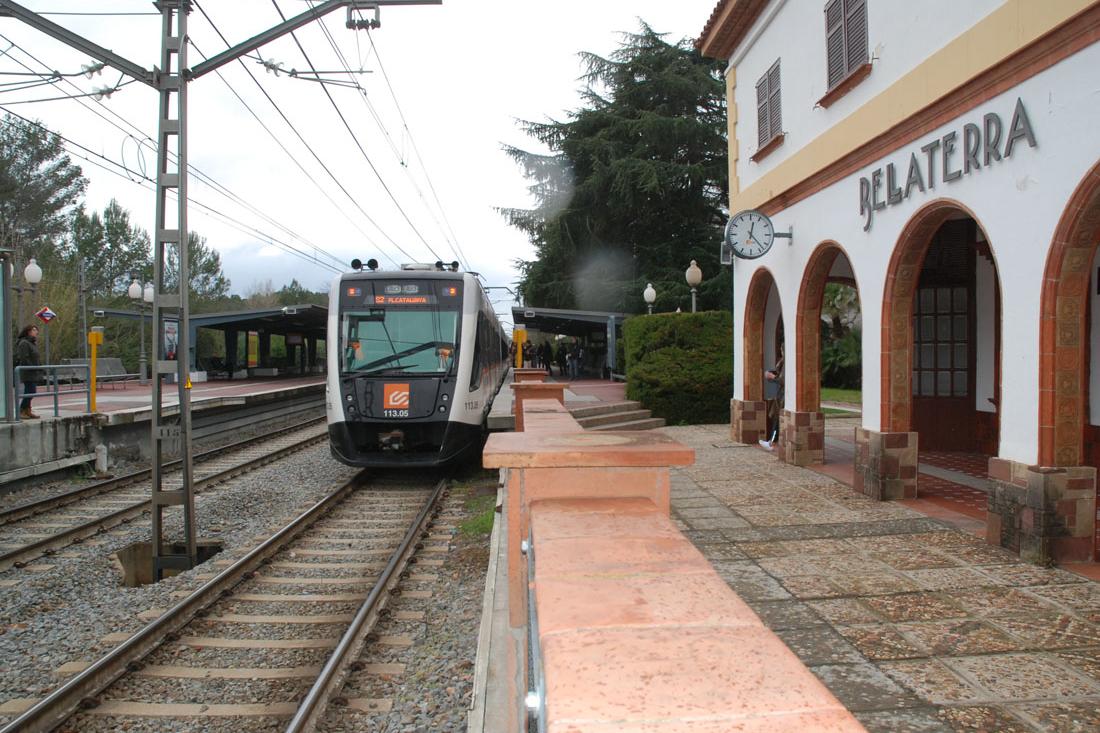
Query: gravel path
point(61, 612)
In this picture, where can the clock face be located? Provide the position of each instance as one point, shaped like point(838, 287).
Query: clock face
point(750, 234)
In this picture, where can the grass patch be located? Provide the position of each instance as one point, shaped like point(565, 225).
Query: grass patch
point(482, 510)
point(841, 413)
point(835, 394)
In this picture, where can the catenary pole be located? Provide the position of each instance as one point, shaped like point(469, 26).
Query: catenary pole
point(171, 275)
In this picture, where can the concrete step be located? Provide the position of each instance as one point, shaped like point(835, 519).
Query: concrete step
point(647, 424)
point(603, 408)
point(613, 417)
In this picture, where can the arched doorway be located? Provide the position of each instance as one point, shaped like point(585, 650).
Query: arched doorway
point(829, 265)
point(1069, 335)
point(829, 348)
point(763, 346)
point(941, 334)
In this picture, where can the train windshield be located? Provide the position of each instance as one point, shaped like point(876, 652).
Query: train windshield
point(396, 341)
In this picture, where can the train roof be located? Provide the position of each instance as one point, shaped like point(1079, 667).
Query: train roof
point(405, 275)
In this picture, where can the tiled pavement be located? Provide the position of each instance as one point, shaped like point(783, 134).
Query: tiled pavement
point(914, 625)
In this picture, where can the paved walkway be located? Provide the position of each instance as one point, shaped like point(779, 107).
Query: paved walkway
point(913, 624)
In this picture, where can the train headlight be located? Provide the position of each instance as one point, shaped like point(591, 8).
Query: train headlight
point(442, 408)
point(445, 397)
point(349, 398)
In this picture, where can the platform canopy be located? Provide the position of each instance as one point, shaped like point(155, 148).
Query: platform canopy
point(568, 322)
point(309, 321)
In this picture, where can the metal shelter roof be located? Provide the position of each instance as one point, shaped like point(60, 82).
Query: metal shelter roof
point(569, 322)
point(310, 320)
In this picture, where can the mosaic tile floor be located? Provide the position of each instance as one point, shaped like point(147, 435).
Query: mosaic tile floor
point(912, 624)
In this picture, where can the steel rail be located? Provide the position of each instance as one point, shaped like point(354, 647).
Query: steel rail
point(332, 676)
point(81, 690)
point(32, 508)
point(95, 526)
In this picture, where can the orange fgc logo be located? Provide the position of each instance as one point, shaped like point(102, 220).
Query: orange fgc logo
point(395, 397)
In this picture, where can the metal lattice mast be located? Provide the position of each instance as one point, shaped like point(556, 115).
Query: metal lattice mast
point(171, 287)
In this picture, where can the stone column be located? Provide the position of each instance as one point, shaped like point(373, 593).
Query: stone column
point(1043, 514)
point(886, 464)
point(748, 420)
point(801, 437)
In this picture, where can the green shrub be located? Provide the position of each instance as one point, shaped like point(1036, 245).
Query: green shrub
point(678, 365)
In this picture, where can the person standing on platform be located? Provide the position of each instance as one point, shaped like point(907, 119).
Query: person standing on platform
point(562, 359)
point(26, 355)
point(773, 396)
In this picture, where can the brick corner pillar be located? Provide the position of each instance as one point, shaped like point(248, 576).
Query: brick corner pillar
point(1043, 514)
point(534, 391)
point(801, 437)
point(748, 420)
point(886, 464)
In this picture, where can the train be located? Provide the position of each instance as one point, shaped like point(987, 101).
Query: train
point(415, 358)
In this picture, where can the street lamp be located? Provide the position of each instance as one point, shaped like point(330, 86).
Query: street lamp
point(650, 296)
point(143, 297)
point(694, 276)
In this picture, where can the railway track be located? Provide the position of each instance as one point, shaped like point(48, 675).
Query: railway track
point(269, 638)
point(36, 528)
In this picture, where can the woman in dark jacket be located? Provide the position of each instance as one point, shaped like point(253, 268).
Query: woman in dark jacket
point(26, 354)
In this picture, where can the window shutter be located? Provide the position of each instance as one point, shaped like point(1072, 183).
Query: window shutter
point(775, 111)
point(763, 134)
point(855, 32)
point(834, 42)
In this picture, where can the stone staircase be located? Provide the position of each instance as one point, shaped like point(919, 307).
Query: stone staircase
point(627, 415)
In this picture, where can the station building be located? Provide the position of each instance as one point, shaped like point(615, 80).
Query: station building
point(943, 157)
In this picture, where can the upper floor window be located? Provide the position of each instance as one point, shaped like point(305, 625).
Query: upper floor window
point(845, 38)
point(769, 115)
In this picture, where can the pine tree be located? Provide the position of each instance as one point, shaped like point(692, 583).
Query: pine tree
point(634, 186)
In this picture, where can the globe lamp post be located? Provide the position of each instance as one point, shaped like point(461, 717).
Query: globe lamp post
point(694, 276)
point(650, 296)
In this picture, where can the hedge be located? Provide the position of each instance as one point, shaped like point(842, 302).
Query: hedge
point(678, 365)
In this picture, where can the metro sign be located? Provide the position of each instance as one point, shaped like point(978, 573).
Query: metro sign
point(45, 314)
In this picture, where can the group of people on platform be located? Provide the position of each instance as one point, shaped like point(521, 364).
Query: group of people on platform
point(568, 357)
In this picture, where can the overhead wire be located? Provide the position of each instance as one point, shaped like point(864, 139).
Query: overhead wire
point(308, 147)
point(355, 139)
point(101, 161)
point(451, 239)
point(416, 149)
point(202, 176)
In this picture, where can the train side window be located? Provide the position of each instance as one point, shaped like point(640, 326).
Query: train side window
point(478, 360)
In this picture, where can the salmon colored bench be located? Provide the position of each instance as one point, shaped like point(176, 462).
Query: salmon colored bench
point(629, 627)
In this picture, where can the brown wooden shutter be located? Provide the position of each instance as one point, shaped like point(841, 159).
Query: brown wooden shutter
point(774, 108)
point(835, 60)
point(855, 33)
point(763, 134)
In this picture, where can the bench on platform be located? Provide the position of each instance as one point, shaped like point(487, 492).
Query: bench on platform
point(628, 625)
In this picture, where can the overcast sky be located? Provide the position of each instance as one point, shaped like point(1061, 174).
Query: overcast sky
point(463, 72)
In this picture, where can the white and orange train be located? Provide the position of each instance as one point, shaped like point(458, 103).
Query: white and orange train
point(415, 358)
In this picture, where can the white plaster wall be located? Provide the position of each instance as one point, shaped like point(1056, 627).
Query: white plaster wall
point(985, 334)
point(1094, 336)
point(1018, 203)
point(900, 34)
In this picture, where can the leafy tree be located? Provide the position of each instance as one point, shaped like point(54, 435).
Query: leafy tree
point(634, 185)
point(296, 294)
point(39, 188)
point(209, 285)
point(114, 251)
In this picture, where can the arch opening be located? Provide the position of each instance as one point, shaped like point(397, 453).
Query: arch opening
point(1069, 335)
point(942, 335)
point(763, 348)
